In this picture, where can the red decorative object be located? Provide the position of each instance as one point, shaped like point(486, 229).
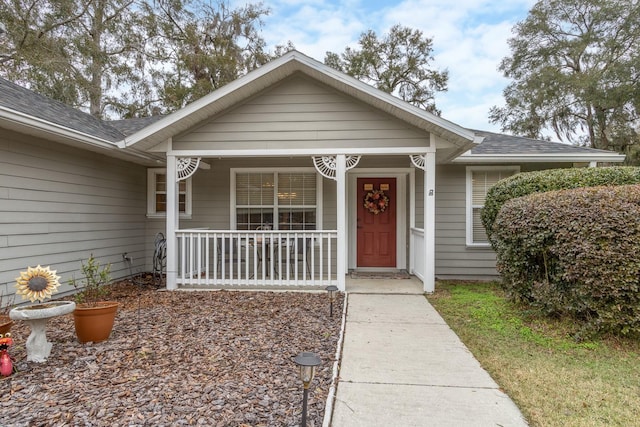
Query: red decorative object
point(376, 201)
point(6, 364)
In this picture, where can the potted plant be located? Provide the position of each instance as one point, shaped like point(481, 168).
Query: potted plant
point(93, 317)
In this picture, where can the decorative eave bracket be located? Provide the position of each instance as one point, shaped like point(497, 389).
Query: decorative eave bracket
point(418, 160)
point(186, 166)
point(326, 165)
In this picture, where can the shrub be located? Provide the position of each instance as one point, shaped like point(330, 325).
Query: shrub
point(575, 252)
point(550, 180)
point(91, 289)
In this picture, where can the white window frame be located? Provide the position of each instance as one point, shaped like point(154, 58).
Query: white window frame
point(152, 173)
point(232, 192)
point(469, 200)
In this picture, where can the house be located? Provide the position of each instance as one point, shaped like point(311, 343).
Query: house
point(294, 174)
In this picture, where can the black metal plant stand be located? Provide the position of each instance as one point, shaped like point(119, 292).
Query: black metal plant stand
point(159, 259)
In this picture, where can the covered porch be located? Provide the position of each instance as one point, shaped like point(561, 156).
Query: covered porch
point(270, 255)
point(296, 117)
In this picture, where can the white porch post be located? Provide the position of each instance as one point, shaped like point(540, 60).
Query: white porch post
point(429, 221)
point(172, 222)
point(341, 220)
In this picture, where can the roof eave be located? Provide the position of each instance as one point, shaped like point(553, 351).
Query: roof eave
point(539, 158)
point(34, 126)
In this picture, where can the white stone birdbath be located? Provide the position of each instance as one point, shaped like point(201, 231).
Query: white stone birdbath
point(36, 316)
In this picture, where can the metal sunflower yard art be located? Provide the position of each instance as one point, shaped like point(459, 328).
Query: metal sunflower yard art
point(37, 283)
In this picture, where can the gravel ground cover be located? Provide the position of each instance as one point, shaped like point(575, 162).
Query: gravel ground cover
point(221, 358)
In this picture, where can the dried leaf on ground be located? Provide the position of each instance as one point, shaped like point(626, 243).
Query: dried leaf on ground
point(214, 358)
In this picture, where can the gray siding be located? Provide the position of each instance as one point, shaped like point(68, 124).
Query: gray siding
point(58, 205)
point(453, 258)
point(301, 113)
point(211, 194)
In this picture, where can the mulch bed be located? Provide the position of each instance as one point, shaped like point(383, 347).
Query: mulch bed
point(220, 358)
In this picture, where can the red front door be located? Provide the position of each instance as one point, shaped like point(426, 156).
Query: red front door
point(376, 222)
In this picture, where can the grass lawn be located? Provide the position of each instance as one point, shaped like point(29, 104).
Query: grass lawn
point(554, 380)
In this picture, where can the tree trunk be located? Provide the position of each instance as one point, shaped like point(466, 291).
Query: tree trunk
point(590, 127)
point(97, 62)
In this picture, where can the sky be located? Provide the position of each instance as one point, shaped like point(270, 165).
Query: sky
point(469, 40)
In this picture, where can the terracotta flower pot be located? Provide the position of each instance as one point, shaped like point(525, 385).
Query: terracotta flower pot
point(94, 324)
point(5, 324)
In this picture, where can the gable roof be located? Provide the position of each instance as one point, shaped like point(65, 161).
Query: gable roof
point(276, 71)
point(501, 148)
point(28, 112)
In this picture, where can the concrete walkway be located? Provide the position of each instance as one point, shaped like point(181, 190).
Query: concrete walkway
point(403, 366)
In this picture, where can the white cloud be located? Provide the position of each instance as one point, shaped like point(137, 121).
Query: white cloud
point(470, 40)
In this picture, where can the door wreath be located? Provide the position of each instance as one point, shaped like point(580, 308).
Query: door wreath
point(376, 201)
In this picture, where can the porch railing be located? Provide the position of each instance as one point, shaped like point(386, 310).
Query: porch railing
point(417, 252)
point(256, 258)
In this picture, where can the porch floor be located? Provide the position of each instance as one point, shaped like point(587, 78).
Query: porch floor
point(411, 286)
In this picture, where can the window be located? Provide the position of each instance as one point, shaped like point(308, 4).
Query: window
point(157, 194)
point(479, 180)
point(282, 200)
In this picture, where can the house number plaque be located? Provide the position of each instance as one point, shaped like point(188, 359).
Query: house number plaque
point(368, 187)
point(384, 187)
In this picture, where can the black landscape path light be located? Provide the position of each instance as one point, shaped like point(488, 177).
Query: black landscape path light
point(332, 289)
point(307, 362)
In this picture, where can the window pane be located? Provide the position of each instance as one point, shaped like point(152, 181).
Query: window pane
point(295, 193)
point(297, 189)
point(482, 181)
point(161, 203)
point(254, 189)
point(161, 182)
point(182, 203)
point(296, 219)
point(479, 234)
point(252, 218)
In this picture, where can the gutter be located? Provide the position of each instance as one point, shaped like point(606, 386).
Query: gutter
point(40, 127)
point(538, 158)
point(53, 128)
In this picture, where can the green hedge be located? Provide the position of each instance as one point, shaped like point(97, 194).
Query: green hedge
point(575, 252)
point(550, 180)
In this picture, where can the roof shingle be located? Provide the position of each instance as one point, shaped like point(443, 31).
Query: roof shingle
point(25, 101)
point(500, 144)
